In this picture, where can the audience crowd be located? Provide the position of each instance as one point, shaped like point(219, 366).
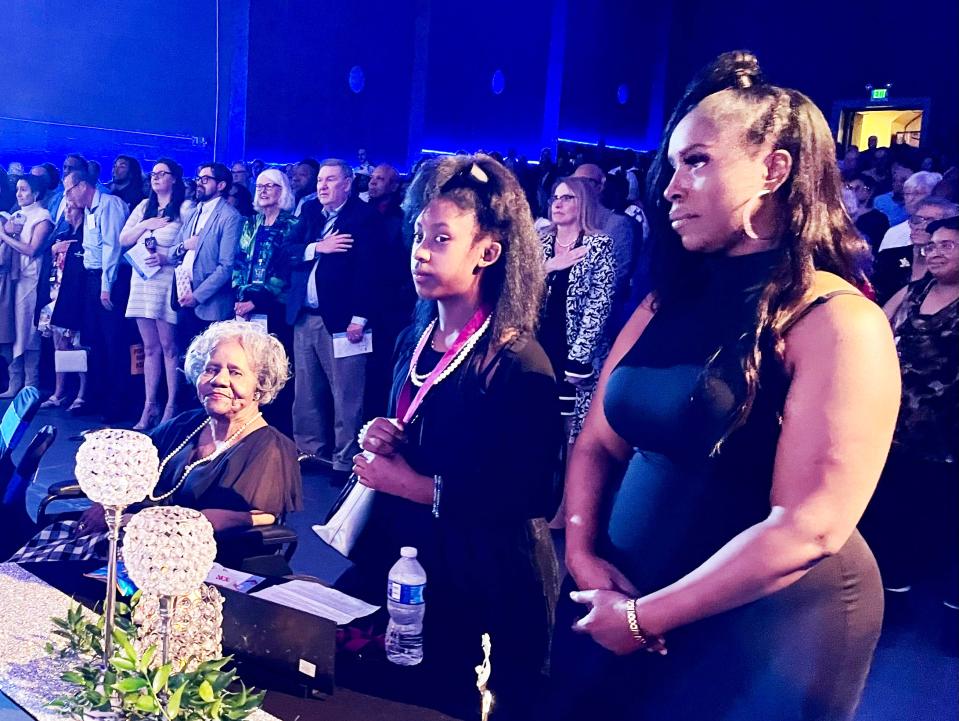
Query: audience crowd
point(317, 252)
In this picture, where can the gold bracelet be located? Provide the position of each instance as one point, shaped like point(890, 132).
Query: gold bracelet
point(648, 642)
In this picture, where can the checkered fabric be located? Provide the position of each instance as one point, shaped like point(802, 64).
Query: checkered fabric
point(59, 542)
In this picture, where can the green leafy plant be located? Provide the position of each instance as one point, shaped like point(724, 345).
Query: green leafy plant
point(134, 690)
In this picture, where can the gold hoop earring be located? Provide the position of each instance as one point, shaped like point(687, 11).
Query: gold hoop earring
point(748, 210)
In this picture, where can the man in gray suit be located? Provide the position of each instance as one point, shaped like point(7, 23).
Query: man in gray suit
point(203, 252)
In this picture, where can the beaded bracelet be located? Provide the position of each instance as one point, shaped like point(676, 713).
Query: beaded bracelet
point(437, 491)
point(653, 644)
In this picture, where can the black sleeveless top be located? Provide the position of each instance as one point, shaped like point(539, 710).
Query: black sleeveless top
point(673, 397)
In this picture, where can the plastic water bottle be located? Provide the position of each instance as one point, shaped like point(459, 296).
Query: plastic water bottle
point(405, 603)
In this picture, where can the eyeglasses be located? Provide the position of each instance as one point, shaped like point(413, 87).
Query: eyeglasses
point(266, 186)
point(157, 174)
point(204, 179)
point(946, 247)
point(561, 199)
point(922, 221)
point(67, 191)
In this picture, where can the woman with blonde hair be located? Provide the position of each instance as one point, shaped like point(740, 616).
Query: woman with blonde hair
point(580, 283)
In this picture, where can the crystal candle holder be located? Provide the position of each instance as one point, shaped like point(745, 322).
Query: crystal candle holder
point(115, 468)
point(196, 633)
point(168, 550)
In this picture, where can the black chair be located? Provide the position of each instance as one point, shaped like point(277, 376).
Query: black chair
point(13, 514)
point(16, 419)
point(262, 550)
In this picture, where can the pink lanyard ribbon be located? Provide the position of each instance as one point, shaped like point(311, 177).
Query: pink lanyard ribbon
point(407, 408)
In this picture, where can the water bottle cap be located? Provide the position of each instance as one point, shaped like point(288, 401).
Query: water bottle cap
point(408, 552)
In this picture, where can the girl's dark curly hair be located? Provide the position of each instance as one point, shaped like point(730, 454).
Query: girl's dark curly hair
point(513, 286)
point(818, 233)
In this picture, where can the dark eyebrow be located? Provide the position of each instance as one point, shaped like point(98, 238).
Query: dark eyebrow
point(688, 150)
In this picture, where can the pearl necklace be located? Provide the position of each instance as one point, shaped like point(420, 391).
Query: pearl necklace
point(221, 448)
point(418, 379)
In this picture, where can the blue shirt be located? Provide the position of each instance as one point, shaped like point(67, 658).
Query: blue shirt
point(102, 223)
point(896, 212)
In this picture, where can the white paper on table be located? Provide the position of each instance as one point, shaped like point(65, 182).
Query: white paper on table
point(318, 600)
point(137, 256)
point(232, 579)
point(342, 348)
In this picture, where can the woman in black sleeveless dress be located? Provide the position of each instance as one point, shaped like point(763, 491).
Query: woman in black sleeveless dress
point(752, 431)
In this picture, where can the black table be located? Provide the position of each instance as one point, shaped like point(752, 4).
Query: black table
point(367, 688)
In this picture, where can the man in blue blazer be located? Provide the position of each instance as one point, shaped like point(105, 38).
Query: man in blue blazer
point(211, 233)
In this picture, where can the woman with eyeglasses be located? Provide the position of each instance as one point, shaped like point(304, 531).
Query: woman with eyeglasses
point(153, 225)
point(899, 266)
point(580, 285)
point(912, 521)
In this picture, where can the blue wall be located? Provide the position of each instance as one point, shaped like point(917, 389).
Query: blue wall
point(135, 76)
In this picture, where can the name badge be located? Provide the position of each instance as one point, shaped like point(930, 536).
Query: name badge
point(91, 222)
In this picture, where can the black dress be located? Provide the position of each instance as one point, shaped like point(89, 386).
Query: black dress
point(493, 432)
point(799, 654)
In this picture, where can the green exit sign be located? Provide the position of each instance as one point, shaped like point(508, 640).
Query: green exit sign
point(879, 94)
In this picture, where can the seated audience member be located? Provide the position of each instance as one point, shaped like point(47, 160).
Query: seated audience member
point(869, 221)
point(912, 521)
point(476, 264)
point(916, 188)
point(223, 460)
point(103, 297)
point(892, 204)
point(60, 300)
point(896, 267)
point(948, 187)
point(331, 292)
point(127, 182)
point(94, 169)
point(155, 224)
point(15, 169)
point(303, 182)
point(257, 167)
point(23, 238)
point(204, 252)
point(241, 199)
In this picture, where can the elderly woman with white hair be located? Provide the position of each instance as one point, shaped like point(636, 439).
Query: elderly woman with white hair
point(259, 278)
point(223, 460)
point(916, 189)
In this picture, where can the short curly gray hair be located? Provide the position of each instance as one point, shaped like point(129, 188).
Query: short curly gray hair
point(265, 352)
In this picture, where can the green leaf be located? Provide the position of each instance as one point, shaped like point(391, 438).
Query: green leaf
point(173, 705)
point(59, 622)
point(73, 677)
point(206, 691)
point(124, 641)
point(148, 704)
point(131, 683)
point(122, 664)
point(216, 708)
point(162, 675)
point(147, 658)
